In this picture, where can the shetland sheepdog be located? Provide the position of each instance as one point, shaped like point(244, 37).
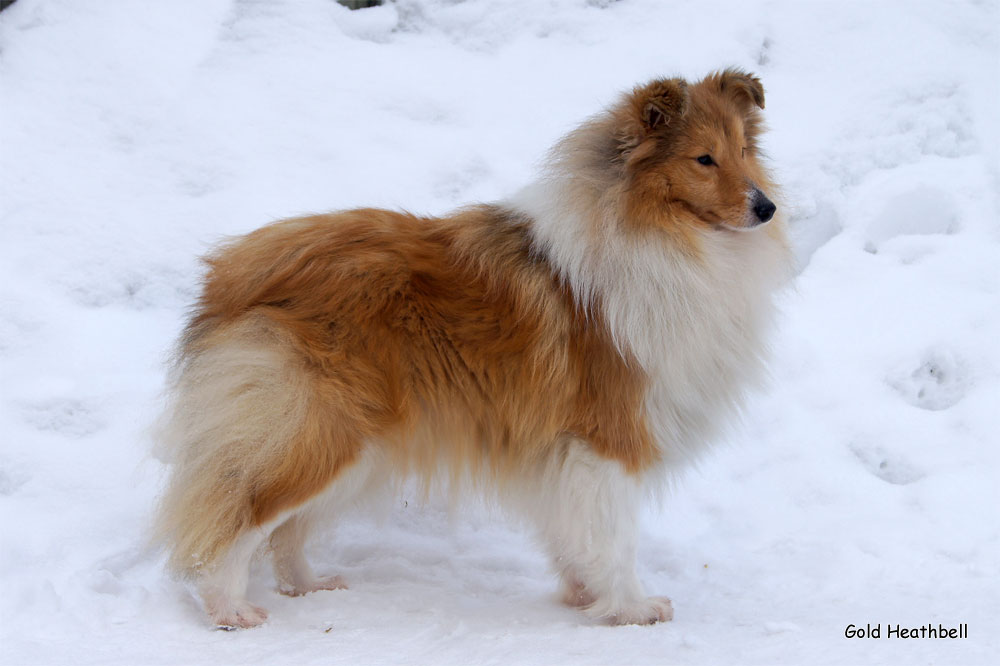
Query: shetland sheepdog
point(564, 350)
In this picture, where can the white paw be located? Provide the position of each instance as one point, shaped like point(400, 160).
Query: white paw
point(240, 615)
point(315, 585)
point(648, 611)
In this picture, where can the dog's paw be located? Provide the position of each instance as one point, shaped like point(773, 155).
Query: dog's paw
point(242, 615)
point(317, 584)
point(576, 595)
point(647, 611)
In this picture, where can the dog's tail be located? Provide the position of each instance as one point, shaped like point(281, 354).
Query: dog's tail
point(246, 439)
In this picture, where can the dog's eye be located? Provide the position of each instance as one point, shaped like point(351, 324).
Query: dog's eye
point(706, 160)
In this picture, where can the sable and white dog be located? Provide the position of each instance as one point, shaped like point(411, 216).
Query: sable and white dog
point(566, 349)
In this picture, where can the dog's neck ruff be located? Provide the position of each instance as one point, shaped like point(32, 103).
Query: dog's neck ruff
point(694, 325)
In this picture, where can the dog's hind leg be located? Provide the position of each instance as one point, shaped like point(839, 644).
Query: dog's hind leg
point(252, 445)
point(291, 569)
point(224, 588)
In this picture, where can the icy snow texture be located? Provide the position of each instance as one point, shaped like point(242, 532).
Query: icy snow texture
point(862, 488)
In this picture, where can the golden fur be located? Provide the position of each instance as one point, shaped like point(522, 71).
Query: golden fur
point(460, 345)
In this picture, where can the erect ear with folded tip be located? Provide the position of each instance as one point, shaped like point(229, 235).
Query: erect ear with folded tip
point(743, 87)
point(661, 102)
point(653, 108)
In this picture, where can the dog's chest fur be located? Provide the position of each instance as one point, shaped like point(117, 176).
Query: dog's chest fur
point(696, 326)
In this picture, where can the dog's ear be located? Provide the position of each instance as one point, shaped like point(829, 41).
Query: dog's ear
point(654, 107)
point(743, 87)
point(660, 103)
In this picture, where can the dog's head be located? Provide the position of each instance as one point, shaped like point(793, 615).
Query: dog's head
point(691, 152)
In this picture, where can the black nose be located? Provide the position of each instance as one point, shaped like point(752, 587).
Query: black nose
point(763, 208)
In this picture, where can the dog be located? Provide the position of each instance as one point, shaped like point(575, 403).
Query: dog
point(566, 350)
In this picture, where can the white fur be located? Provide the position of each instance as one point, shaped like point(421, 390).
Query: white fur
point(696, 328)
point(224, 588)
point(584, 506)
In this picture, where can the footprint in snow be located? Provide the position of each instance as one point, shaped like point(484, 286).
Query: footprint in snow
point(887, 465)
point(11, 479)
point(938, 381)
point(67, 416)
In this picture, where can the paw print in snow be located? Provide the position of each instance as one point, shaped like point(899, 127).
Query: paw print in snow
point(938, 382)
point(890, 466)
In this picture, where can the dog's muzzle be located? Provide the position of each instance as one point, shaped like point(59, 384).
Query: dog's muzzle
point(763, 208)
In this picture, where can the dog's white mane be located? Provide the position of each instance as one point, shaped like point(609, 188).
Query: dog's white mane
point(696, 326)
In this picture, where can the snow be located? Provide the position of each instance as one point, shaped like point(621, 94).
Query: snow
point(861, 488)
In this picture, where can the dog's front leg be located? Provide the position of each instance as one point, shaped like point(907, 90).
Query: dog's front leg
point(588, 515)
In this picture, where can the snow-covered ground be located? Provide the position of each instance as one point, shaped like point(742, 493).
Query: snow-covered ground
point(861, 489)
